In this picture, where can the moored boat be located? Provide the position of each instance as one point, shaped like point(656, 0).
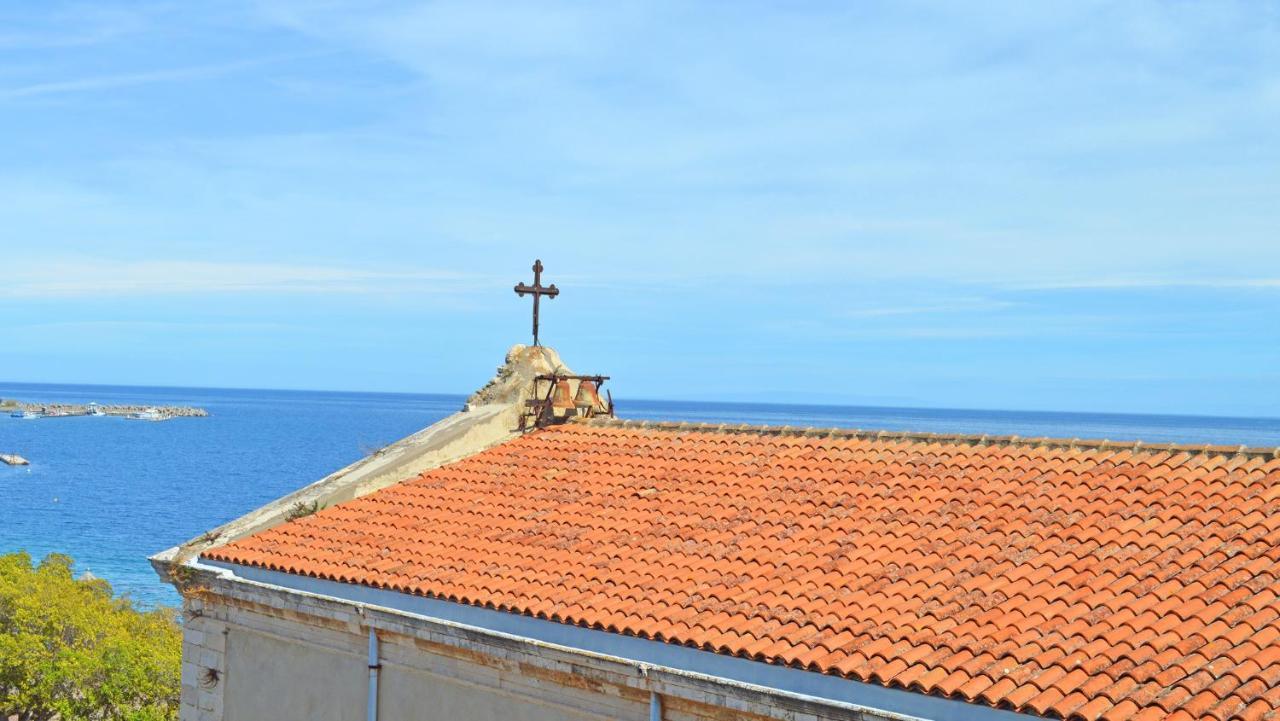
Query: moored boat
point(150, 414)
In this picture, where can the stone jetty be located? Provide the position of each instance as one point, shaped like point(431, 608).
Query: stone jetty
point(60, 410)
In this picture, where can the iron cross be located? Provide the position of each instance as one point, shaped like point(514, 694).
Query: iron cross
point(537, 291)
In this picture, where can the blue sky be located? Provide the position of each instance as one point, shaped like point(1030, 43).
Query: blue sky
point(1070, 206)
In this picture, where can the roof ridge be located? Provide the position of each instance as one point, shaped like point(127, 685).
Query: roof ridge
point(968, 438)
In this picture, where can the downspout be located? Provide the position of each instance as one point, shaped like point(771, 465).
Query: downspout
point(655, 701)
point(374, 667)
point(728, 672)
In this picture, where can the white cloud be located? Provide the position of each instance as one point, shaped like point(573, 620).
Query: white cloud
point(120, 80)
point(1139, 283)
point(954, 305)
point(83, 25)
point(117, 326)
point(998, 147)
point(86, 278)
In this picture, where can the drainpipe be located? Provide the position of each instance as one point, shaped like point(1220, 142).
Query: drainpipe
point(374, 667)
point(655, 706)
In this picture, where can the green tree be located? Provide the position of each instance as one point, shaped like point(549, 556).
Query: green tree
point(71, 651)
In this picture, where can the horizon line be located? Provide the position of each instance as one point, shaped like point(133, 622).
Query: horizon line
point(464, 396)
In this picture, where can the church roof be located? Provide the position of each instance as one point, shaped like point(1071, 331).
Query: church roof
point(1063, 578)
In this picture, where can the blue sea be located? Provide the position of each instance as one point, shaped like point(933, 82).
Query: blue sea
point(109, 491)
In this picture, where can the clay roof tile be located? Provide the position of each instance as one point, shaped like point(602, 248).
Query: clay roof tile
point(1078, 579)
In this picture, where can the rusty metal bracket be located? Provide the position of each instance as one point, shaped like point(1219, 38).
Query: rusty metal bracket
point(560, 401)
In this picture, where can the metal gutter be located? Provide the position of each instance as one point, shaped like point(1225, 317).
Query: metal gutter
point(836, 692)
point(375, 665)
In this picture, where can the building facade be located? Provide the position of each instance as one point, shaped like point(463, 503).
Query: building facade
point(605, 569)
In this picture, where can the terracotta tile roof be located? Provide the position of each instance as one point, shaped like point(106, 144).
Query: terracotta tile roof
point(1077, 580)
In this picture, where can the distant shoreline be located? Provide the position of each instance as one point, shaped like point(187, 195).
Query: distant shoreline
point(66, 410)
point(87, 390)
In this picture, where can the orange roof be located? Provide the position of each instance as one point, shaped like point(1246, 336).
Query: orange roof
point(1092, 581)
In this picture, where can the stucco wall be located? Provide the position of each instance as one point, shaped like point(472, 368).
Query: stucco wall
point(274, 657)
point(270, 677)
point(204, 644)
point(472, 691)
point(265, 674)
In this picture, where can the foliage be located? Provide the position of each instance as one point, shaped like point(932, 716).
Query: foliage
point(70, 651)
point(301, 509)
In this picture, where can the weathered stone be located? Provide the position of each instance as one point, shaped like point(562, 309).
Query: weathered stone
point(491, 416)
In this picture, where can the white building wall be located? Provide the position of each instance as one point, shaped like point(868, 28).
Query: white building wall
point(270, 656)
point(204, 645)
point(265, 667)
point(269, 677)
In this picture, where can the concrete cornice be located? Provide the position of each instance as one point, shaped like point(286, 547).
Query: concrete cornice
point(491, 416)
point(731, 682)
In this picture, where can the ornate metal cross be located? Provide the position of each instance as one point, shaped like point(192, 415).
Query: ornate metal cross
point(537, 291)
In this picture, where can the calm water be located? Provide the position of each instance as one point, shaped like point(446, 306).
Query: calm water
point(109, 492)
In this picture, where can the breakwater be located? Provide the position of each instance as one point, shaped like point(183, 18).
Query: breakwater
point(63, 410)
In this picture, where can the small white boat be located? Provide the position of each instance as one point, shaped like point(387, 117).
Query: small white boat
point(95, 410)
point(28, 415)
point(150, 414)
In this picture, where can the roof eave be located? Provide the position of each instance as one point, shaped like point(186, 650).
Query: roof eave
point(730, 673)
point(490, 417)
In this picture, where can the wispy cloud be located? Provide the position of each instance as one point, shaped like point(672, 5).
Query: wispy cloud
point(116, 326)
point(1137, 283)
point(876, 190)
point(955, 305)
point(82, 25)
point(109, 82)
point(122, 278)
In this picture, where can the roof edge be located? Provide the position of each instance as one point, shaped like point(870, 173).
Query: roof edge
point(958, 438)
point(832, 691)
point(490, 417)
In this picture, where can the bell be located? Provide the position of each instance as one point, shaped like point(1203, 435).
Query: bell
point(563, 397)
point(588, 397)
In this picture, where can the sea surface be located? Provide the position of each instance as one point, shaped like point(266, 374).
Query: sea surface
point(109, 492)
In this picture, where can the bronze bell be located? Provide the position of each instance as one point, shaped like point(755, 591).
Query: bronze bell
point(588, 397)
point(562, 397)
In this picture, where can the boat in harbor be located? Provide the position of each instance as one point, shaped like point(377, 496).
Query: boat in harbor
point(18, 409)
